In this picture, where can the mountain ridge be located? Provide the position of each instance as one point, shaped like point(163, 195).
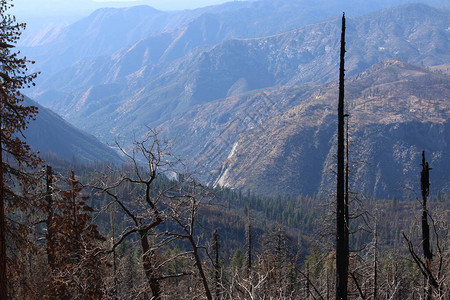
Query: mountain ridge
point(50, 134)
point(392, 132)
point(291, 58)
point(220, 102)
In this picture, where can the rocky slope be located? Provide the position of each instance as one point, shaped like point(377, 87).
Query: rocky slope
point(259, 112)
point(125, 92)
point(396, 111)
point(207, 134)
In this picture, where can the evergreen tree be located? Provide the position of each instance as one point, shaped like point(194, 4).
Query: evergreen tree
point(77, 272)
point(15, 154)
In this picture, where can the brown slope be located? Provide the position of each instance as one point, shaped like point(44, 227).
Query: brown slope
point(397, 110)
point(206, 134)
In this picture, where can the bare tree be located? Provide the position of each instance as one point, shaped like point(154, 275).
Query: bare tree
point(434, 279)
point(131, 191)
point(342, 231)
point(425, 188)
point(248, 232)
point(183, 211)
point(215, 247)
point(175, 205)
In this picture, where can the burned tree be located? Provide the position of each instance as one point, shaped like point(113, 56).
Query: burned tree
point(342, 240)
point(183, 207)
point(425, 188)
point(248, 229)
point(150, 192)
point(434, 279)
point(131, 191)
point(216, 263)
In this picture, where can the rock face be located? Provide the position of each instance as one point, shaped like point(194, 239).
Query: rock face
point(396, 111)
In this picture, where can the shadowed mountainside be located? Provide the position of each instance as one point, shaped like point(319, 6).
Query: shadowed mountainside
point(49, 133)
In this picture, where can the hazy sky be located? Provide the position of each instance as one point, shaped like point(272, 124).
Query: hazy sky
point(45, 13)
point(40, 14)
point(42, 8)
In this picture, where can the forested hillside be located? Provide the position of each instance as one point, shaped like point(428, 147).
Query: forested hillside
point(259, 149)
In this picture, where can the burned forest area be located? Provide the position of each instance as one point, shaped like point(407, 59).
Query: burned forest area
point(252, 149)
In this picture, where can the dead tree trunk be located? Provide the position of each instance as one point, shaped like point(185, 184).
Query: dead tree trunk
point(215, 249)
point(198, 263)
point(249, 241)
point(49, 222)
point(431, 280)
point(375, 261)
point(425, 187)
point(3, 278)
point(342, 247)
point(148, 266)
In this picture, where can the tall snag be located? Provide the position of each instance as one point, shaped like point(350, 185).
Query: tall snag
point(215, 250)
point(425, 187)
point(435, 281)
point(342, 247)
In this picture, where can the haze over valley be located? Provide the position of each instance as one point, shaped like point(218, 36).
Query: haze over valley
point(259, 149)
point(208, 83)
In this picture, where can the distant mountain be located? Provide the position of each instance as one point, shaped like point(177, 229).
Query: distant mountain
point(207, 134)
point(108, 30)
point(396, 111)
point(102, 33)
point(49, 133)
point(259, 112)
point(124, 92)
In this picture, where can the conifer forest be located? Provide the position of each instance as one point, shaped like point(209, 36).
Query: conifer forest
point(252, 149)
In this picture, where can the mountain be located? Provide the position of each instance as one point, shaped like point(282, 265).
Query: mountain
point(102, 33)
point(49, 133)
point(127, 91)
point(108, 30)
point(207, 134)
point(396, 111)
point(249, 112)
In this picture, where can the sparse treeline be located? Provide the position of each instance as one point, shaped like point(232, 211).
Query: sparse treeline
point(94, 257)
point(148, 230)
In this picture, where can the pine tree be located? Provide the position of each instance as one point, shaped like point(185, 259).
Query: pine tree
point(77, 272)
point(15, 154)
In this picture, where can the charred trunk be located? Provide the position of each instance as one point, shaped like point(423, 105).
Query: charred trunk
point(342, 248)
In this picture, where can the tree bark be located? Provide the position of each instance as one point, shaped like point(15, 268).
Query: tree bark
point(249, 241)
point(216, 263)
point(342, 248)
point(49, 221)
point(375, 262)
point(198, 263)
point(425, 187)
point(148, 267)
point(3, 277)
